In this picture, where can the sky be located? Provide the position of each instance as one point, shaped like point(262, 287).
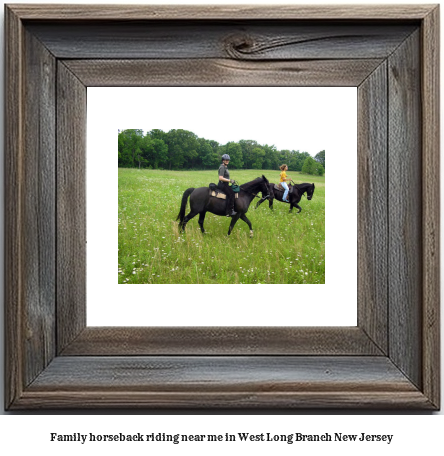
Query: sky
point(306, 119)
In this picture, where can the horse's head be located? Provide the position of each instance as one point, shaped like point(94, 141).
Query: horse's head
point(265, 187)
point(310, 191)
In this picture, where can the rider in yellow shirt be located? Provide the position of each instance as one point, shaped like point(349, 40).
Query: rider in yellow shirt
point(283, 181)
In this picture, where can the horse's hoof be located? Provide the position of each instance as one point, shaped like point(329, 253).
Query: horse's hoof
point(251, 233)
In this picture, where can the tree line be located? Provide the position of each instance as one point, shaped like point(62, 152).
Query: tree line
point(182, 149)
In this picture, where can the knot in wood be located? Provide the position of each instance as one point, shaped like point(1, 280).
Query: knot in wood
point(239, 45)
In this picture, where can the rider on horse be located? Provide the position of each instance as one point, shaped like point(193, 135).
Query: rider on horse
point(283, 182)
point(224, 180)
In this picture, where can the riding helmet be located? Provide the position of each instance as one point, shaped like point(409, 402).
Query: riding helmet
point(225, 157)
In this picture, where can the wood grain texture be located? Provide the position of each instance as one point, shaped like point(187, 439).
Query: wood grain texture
point(263, 40)
point(39, 207)
point(209, 373)
point(430, 94)
point(247, 401)
point(234, 382)
point(220, 12)
point(13, 210)
point(373, 207)
point(128, 341)
point(205, 72)
point(405, 209)
point(71, 206)
point(103, 367)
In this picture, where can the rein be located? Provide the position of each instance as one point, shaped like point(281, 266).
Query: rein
point(248, 191)
point(295, 185)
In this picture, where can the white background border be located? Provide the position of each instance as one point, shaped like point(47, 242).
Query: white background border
point(326, 112)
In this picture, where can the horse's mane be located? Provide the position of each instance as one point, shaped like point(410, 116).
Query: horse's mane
point(251, 184)
point(303, 187)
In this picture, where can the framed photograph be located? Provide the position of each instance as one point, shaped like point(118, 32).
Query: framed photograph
point(389, 359)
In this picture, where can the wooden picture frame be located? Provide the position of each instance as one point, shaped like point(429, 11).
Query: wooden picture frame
point(389, 360)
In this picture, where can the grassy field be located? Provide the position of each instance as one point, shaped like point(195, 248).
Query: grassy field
point(285, 248)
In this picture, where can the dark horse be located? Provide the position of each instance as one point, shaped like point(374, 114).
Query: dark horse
point(294, 197)
point(201, 202)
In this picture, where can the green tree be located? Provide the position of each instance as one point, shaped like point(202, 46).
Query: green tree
point(159, 153)
point(182, 148)
point(258, 157)
point(130, 143)
point(247, 146)
point(320, 169)
point(217, 154)
point(271, 158)
point(234, 150)
point(312, 167)
point(308, 167)
point(208, 153)
point(297, 160)
point(320, 158)
point(285, 157)
point(141, 157)
point(158, 134)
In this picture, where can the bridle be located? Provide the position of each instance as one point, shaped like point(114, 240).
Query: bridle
point(254, 194)
point(304, 192)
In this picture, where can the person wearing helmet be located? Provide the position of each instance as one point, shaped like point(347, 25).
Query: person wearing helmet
point(224, 180)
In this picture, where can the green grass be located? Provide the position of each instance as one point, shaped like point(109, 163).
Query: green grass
point(285, 248)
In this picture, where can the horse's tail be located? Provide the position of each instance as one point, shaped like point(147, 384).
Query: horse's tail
point(183, 206)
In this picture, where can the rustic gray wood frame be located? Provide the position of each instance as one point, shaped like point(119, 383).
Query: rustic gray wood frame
point(390, 360)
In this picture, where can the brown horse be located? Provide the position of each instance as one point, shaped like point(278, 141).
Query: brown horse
point(201, 202)
point(294, 197)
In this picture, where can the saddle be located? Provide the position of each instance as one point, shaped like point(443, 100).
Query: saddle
point(218, 193)
point(281, 189)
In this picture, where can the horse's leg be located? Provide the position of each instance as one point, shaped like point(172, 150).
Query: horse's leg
point(299, 207)
point(270, 203)
point(234, 219)
point(187, 218)
point(201, 221)
point(259, 203)
point(245, 219)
